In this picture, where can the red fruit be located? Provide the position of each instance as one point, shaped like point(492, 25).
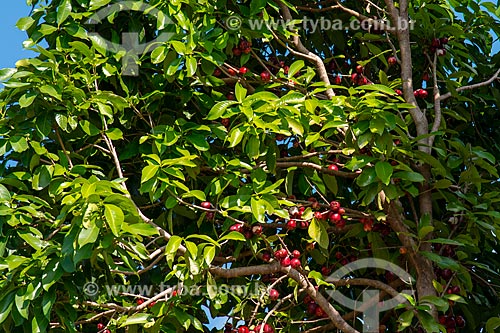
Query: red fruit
point(425, 77)
point(354, 77)
point(257, 229)
point(335, 205)
point(311, 308)
point(247, 50)
point(446, 274)
point(230, 96)
point(139, 301)
point(360, 69)
point(441, 52)
point(285, 262)
point(150, 305)
point(423, 93)
point(266, 256)
point(106, 331)
point(450, 322)
point(304, 224)
point(286, 69)
point(460, 321)
point(236, 51)
point(248, 234)
point(206, 205)
point(174, 293)
point(339, 255)
point(243, 329)
point(325, 270)
point(243, 70)
point(296, 253)
point(231, 72)
point(392, 61)
point(225, 122)
point(295, 263)
point(280, 137)
point(363, 81)
point(318, 215)
point(399, 92)
point(268, 328)
point(338, 80)
point(456, 290)
point(436, 42)
point(307, 299)
point(335, 217)
point(244, 44)
point(274, 294)
point(333, 167)
point(340, 224)
point(100, 326)
point(443, 40)
point(236, 227)
point(217, 72)
point(319, 312)
point(210, 215)
point(442, 319)
point(291, 224)
point(341, 211)
point(280, 254)
point(265, 76)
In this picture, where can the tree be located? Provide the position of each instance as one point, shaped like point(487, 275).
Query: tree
point(257, 157)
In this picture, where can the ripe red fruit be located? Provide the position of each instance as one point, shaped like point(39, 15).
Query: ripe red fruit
point(363, 81)
point(436, 42)
point(210, 215)
point(265, 76)
point(106, 331)
point(333, 167)
point(325, 270)
point(456, 290)
point(230, 96)
point(243, 329)
point(225, 122)
point(338, 80)
point(443, 40)
point(139, 301)
point(354, 77)
point(231, 72)
point(295, 263)
point(442, 319)
point(460, 321)
point(335, 205)
point(266, 256)
point(217, 72)
point(268, 328)
point(280, 254)
point(425, 77)
point(399, 92)
point(236, 227)
point(236, 51)
point(286, 69)
point(341, 211)
point(291, 224)
point(339, 255)
point(296, 253)
point(243, 70)
point(446, 274)
point(285, 262)
point(360, 69)
point(319, 312)
point(206, 205)
point(392, 61)
point(304, 224)
point(441, 52)
point(311, 308)
point(274, 294)
point(319, 215)
point(244, 44)
point(248, 233)
point(150, 305)
point(341, 224)
point(100, 326)
point(335, 217)
point(247, 50)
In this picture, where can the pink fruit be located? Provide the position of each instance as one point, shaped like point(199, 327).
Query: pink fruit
point(274, 294)
point(295, 263)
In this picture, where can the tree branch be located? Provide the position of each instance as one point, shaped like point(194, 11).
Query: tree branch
point(472, 86)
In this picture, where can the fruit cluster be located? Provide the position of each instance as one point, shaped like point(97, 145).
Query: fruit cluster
point(243, 47)
point(452, 322)
point(421, 93)
point(266, 328)
point(437, 46)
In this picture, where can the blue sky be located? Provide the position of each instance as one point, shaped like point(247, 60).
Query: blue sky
point(12, 38)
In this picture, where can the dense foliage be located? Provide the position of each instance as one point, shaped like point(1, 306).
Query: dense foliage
point(260, 157)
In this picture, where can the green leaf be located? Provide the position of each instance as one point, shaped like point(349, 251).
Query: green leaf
point(492, 324)
point(377, 87)
point(6, 306)
point(218, 109)
point(295, 126)
point(19, 144)
point(88, 235)
point(240, 92)
point(173, 244)
point(4, 194)
point(137, 318)
point(199, 141)
point(405, 319)
point(114, 133)
point(63, 11)
point(258, 209)
point(149, 172)
point(235, 137)
point(114, 216)
point(384, 171)
point(317, 231)
point(233, 235)
point(442, 262)
point(191, 65)
point(24, 24)
point(295, 67)
point(428, 322)
point(409, 175)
